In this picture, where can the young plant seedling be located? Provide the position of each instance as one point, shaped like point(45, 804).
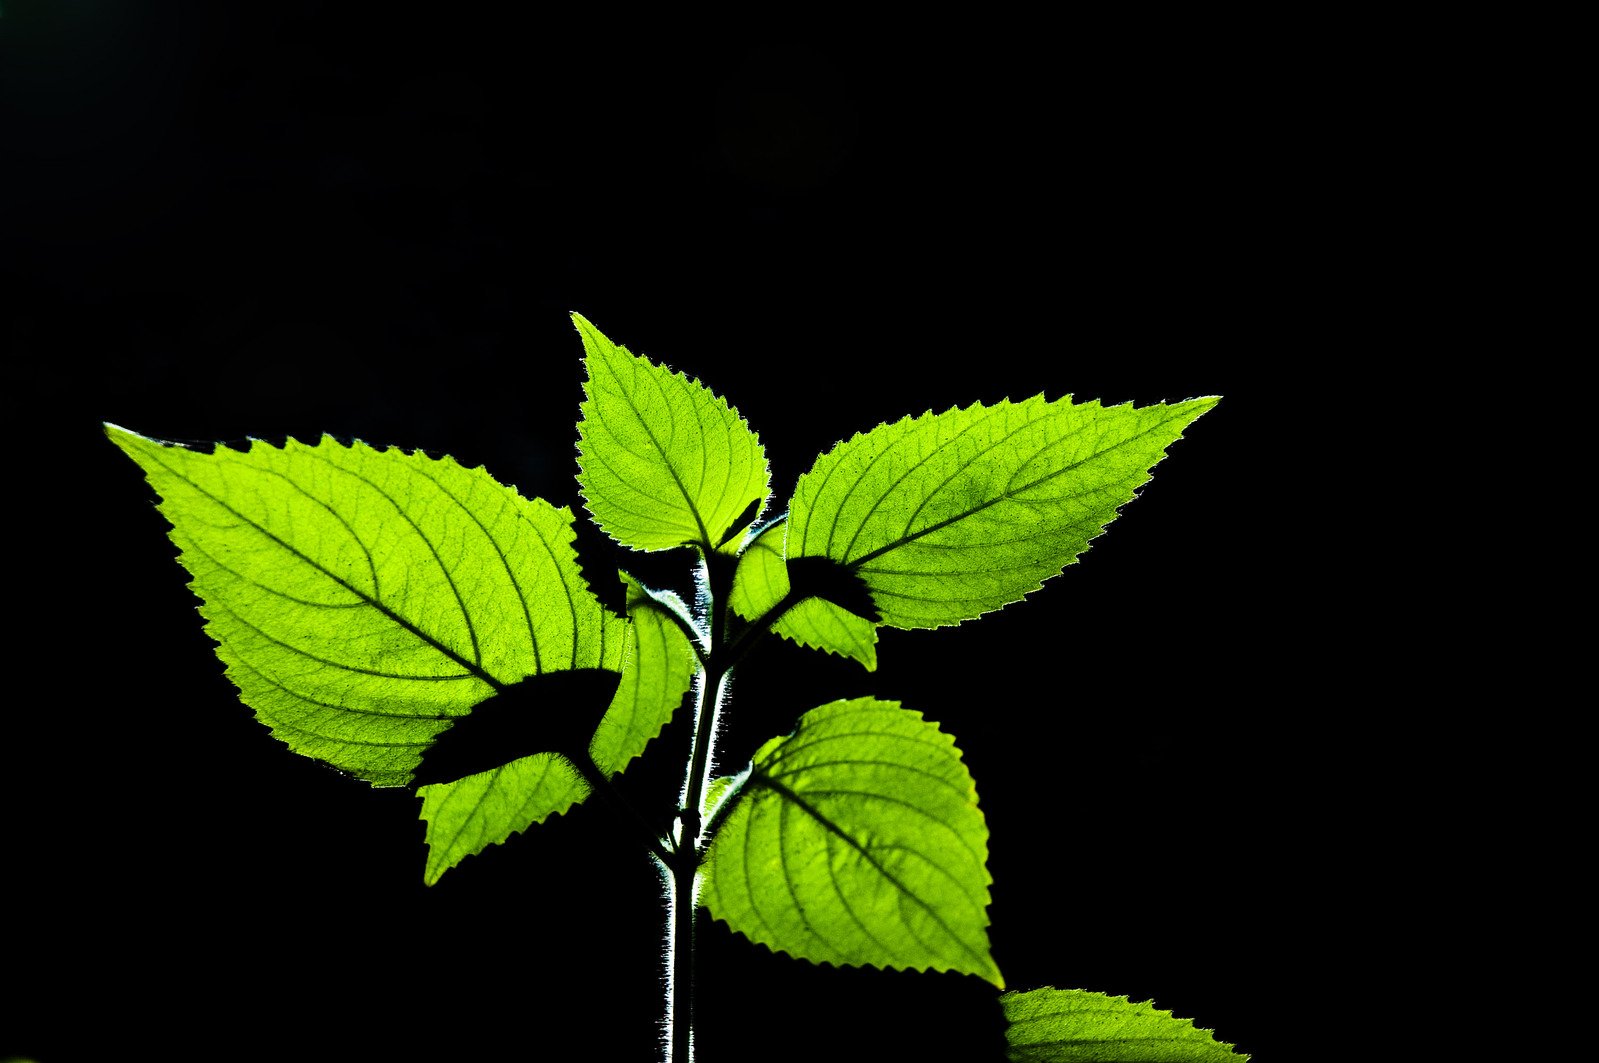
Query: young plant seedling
point(414, 623)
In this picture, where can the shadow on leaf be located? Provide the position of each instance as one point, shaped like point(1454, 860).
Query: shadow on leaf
point(555, 712)
point(822, 577)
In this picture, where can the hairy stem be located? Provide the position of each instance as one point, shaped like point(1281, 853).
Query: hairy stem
point(716, 581)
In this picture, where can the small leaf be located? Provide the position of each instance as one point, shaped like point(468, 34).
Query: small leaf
point(949, 516)
point(857, 840)
point(1078, 1026)
point(659, 670)
point(363, 599)
point(663, 462)
point(761, 581)
point(468, 815)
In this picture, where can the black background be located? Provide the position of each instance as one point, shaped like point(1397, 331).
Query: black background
point(300, 221)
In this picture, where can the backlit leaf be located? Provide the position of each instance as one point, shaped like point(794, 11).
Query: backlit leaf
point(663, 462)
point(857, 840)
point(761, 581)
point(364, 599)
point(659, 670)
point(466, 816)
point(948, 516)
point(1078, 1026)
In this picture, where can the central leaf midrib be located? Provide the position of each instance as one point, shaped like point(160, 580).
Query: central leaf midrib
point(427, 541)
point(474, 669)
point(983, 963)
point(301, 651)
point(882, 496)
point(1007, 495)
point(627, 396)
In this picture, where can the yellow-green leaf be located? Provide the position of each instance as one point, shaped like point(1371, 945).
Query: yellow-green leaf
point(663, 462)
point(466, 816)
point(364, 599)
point(1078, 1026)
point(761, 581)
point(948, 516)
point(857, 840)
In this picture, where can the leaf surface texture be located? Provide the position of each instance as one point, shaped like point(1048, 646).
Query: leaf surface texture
point(857, 840)
point(1078, 1026)
point(364, 599)
point(948, 516)
point(663, 461)
point(761, 581)
point(466, 816)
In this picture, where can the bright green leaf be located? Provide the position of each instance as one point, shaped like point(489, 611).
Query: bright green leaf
point(857, 840)
point(363, 599)
point(949, 516)
point(720, 789)
point(663, 462)
point(761, 581)
point(1078, 1026)
point(468, 815)
point(658, 671)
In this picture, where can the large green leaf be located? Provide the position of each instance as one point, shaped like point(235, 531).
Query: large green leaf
point(663, 462)
point(1078, 1026)
point(364, 599)
point(761, 581)
point(857, 840)
point(948, 516)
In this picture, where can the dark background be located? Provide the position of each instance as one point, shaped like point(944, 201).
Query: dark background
point(300, 221)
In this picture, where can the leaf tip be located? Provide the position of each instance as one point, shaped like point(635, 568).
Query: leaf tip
point(123, 436)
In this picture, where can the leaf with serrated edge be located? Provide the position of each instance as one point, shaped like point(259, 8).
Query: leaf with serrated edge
point(466, 816)
point(363, 599)
point(659, 670)
point(1078, 1026)
point(948, 516)
point(760, 582)
point(663, 461)
point(857, 841)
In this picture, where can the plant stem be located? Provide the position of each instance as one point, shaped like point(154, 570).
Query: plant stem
point(716, 581)
point(680, 966)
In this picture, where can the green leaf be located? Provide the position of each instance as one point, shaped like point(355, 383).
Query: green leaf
point(466, 816)
point(720, 790)
point(949, 516)
point(663, 462)
point(761, 581)
point(364, 599)
point(1078, 1026)
point(857, 840)
point(659, 670)
point(469, 815)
